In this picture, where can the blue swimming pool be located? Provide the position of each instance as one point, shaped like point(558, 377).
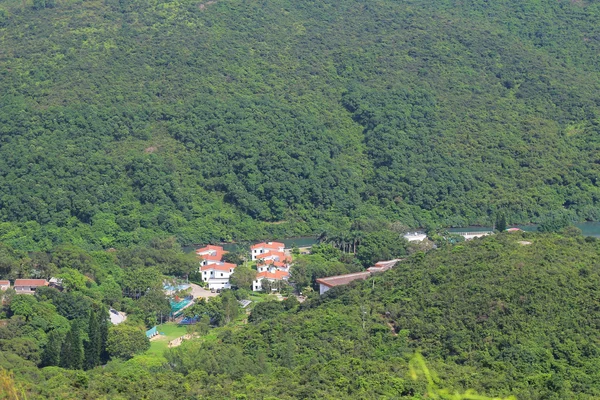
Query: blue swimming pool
point(176, 288)
point(178, 305)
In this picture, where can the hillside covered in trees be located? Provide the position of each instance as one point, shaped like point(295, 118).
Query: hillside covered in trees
point(228, 119)
point(508, 315)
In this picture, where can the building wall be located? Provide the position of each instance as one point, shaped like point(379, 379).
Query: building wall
point(218, 284)
point(323, 288)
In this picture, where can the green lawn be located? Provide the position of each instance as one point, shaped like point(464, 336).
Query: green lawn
point(160, 343)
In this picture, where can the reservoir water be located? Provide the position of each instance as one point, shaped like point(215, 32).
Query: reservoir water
point(587, 228)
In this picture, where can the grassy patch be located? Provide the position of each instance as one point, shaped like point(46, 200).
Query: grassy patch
point(158, 345)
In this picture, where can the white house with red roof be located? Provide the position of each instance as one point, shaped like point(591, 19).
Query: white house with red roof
point(273, 260)
point(4, 285)
point(274, 277)
point(210, 254)
point(217, 274)
point(28, 286)
point(265, 247)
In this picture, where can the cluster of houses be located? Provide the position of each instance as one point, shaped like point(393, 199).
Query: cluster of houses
point(272, 265)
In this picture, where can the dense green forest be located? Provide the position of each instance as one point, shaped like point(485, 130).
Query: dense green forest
point(230, 120)
point(508, 315)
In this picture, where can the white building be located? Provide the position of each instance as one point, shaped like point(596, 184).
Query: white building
point(415, 236)
point(274, 277)
point(265, 247)
point(4, 285)
point(217, 275)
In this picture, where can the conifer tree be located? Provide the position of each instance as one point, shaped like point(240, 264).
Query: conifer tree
point(93, 345)
point(72, 351)
point(501, 222)
point(51, 354)
point(103, 318)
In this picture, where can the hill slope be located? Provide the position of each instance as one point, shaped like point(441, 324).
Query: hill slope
point(494, 315)
point(123, 119)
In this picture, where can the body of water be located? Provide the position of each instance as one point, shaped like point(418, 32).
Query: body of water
point(305, 241)
point(587, 228)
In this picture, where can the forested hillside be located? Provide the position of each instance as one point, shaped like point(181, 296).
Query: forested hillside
point(230, 119)
point(513, 314)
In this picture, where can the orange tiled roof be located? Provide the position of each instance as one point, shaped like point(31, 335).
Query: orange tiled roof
point(268, 245)
point(217, 250)
point(31, 282)
point(277, 275)
point(219, 267)
point(280, 255)
point(209, 257)
point(4, 283)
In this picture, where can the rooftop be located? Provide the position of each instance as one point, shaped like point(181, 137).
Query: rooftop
point(31, 282)
point(278, 254)
point(332, 281)
point(219, 267)
point(277, 275)
point(383, 265)
point(268, 245)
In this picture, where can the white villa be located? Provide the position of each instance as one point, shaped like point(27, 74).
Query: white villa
point(265, 247)
point(210, 254)
point(276, 276)
point(217, 275)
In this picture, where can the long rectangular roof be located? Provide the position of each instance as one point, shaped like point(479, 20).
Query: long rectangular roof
point(31, 282)
point(332, 281)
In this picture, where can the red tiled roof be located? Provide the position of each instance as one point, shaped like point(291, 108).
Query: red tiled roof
point(332, 281)
point(210, 247)
point(278, 254)
point(219, 267)
point(270, 263)
point(217, 250)
point(209, 257)
point(268, 245)
point(277, 275)
point(31, 282)
point(4, 283)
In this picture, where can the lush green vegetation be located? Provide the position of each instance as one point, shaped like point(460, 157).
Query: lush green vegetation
point(128, 127)
point(513, 314)
point(123, 120)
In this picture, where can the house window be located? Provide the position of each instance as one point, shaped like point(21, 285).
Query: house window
point(221, 274)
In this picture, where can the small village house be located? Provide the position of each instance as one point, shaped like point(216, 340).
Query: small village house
point(4, 285)
point(28, 286)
